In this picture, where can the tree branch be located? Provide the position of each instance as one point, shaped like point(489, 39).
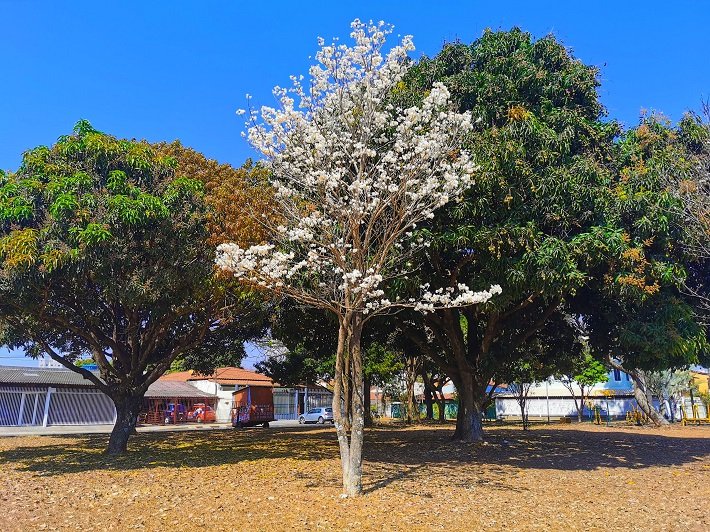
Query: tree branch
point(76, 369)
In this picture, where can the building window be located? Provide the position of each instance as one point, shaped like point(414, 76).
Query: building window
point(617, 375)
point(627, 377)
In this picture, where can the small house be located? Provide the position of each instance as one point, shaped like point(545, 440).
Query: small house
point(220, 385)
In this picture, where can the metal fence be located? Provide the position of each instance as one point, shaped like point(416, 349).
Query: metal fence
point(319, 398)
point(22, 406)
point(290, 402)
point(285, 404)
point(44, 406)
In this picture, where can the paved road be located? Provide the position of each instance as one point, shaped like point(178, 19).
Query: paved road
point(105, 429)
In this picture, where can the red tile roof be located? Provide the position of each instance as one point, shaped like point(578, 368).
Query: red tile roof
point(240, 376)
point(182, 376)
point(229, 375)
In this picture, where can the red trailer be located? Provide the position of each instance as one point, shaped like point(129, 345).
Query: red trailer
point(253, 405)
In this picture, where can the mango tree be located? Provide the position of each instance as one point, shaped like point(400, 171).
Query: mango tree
point(585, 372)
point(637, 312)
point(534, 217)
point(104, 253)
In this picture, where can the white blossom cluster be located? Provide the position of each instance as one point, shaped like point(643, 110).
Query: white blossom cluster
point(450, 297)
point(354, 174)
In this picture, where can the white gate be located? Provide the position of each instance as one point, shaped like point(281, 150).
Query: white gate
point(22, 406)
point(37, 406)
point(69, 406)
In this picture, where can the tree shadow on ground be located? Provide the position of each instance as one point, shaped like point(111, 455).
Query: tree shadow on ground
point(392, 454)
point(74, 454)
point(396, 457)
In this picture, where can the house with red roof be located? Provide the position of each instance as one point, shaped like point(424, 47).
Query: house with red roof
point(289, 401)
point(221, 384)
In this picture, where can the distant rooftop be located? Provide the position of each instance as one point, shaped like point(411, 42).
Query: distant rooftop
point(63, 377)
point(46, 376)
point(228, 375)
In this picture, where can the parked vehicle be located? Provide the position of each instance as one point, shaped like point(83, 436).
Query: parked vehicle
point(202, 413)
point(170, 415)
point(317, 415)
point(253, 405)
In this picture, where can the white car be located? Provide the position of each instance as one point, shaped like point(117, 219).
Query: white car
point(317, 415)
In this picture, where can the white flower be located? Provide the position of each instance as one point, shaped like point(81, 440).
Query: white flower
point(353, 177)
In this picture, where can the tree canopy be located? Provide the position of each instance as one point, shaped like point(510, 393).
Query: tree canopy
point(354, 173)
point(535, 215)
point(104, 252)
point(637, 310)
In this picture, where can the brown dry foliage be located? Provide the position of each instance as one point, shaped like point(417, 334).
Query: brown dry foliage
point(518, 113)
point(638, 271)
point(242, 198)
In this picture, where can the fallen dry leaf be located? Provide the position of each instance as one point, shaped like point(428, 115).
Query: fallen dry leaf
point(570, 477)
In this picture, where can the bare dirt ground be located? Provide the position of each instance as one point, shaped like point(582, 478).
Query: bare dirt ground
point(554, 478)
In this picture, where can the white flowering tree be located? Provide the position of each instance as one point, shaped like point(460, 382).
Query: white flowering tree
point(354, 175)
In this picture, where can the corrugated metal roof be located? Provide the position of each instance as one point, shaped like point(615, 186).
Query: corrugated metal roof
point(170, 389)
point(47, 376)
point(64, 377)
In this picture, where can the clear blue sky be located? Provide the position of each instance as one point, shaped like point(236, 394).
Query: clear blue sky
point(176, 70)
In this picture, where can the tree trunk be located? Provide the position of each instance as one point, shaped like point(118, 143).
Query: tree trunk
point(410, 403)
point(524, 412)
point(442, 408)
point(411, 376)
point(342, 371)
point(353, 482)
point(347, 388)
point(579, 406)
point(429, 401)
point(127, 410)
point(469, 427)
point(641, 394)
point(368, 403)
point(348, 366)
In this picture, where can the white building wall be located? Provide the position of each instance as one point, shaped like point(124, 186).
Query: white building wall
point(224, 398)
point(555, 388)
point(46, 362)
point(562, 406)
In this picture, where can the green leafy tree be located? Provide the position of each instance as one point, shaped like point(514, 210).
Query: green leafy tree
point(534, 218)
point(636, 310)
point(296, 366)
point(382, 364)
point(434, 381)
point(585, 373)
point(686, 174)
point(524, 371)
point(301, 345)
point(104, 254)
